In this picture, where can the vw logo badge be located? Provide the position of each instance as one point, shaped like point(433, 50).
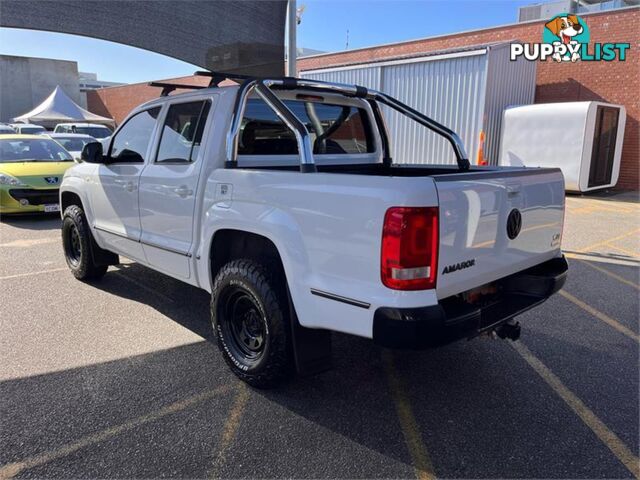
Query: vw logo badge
point(51, 180)
point(514, 223)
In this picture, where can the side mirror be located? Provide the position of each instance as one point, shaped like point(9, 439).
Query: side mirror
point(92, 153)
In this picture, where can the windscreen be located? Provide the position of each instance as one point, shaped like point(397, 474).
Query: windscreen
point(73, 144)
point(95, 132)
point(32, 130)
point(32, 150)
point(334, 129)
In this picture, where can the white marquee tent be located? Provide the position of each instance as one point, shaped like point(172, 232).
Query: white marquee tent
point(59, 108)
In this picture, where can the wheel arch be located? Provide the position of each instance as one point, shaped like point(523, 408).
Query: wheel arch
point(68, 198)
point(228, 244)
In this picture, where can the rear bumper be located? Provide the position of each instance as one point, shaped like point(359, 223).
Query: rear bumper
point(453, 319)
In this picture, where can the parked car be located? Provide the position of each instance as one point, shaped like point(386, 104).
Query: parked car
point(72, 142)
point(31, 169)
point(4, 129)
point(28, 129)
point(95, 130)
point(284, 203)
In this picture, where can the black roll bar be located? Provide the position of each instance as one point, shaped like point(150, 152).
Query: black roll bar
point(264, 87)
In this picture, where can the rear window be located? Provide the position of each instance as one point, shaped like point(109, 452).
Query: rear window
point(334, 129)
point(182, 132)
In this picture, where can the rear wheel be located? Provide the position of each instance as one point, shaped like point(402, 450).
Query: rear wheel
point(77, 243)
point(250, 317)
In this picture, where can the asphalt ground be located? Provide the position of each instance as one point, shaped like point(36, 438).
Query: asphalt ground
point(121, 378)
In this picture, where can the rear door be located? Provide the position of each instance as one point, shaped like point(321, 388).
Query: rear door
point(168, 187)
point(495, 223)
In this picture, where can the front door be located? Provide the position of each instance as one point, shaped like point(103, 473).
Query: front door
point(168, 188)
point(114, 191)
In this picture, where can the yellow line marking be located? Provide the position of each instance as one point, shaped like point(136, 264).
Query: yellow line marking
point(19, 275)
point(12, 469)
point(614, 205)
point(231, 427)
point(624, 250)
point(604, 270)
point(607, 208)
point(604, 242)
point(412, 437)
point(606, 436)
point(23, 243)
point(602, 258)
point(601, 316)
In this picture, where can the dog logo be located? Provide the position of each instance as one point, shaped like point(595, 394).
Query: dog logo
point(568, 30)
point(565, 38)
point(51, 180)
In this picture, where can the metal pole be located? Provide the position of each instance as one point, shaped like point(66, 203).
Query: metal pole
point(292, 50)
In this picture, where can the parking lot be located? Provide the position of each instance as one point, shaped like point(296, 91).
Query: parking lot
point(121, 378)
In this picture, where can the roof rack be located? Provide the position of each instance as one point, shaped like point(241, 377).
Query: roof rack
point(167, 88)
point(218, 77)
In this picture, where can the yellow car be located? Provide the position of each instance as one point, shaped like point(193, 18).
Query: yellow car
point(31, 169)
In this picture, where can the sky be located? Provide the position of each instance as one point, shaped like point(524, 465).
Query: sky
point(324, 27)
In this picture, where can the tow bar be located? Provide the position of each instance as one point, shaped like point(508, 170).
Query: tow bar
point(510, 330)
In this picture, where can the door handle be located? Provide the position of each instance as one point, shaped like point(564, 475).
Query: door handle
point(127, 185)
point(513, 190)
point(183, 191)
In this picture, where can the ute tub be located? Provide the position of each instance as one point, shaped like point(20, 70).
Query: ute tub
point(453, 319)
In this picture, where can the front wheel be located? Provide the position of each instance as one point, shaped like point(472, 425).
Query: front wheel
point(77, 243)
point(250, 316)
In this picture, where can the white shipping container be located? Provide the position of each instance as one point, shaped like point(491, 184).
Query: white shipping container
point(583, 139)
point(464, 89)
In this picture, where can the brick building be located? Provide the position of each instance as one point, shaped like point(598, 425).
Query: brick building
point(612, 82)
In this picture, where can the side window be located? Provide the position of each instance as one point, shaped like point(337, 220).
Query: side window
point(182, 132)
point(334, 129)
point(130, 143)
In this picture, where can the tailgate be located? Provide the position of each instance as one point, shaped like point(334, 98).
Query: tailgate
point(496, 223)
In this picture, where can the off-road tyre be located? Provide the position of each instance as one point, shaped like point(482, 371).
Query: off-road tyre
point(77, 243)
point(250, 318)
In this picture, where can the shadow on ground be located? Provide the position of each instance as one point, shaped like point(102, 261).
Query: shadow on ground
point(42, 221)
point(478, 407)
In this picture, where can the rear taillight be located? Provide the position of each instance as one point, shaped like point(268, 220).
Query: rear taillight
point(409, 259)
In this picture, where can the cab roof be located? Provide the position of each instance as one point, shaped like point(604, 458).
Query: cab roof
point(20, 136)
point(81, 124)
point(68, 135)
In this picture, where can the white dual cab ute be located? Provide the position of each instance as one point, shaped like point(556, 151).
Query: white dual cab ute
point(281, 199)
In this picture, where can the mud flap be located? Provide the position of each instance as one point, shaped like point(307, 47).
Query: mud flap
point(101, 256)
point(311, 347)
